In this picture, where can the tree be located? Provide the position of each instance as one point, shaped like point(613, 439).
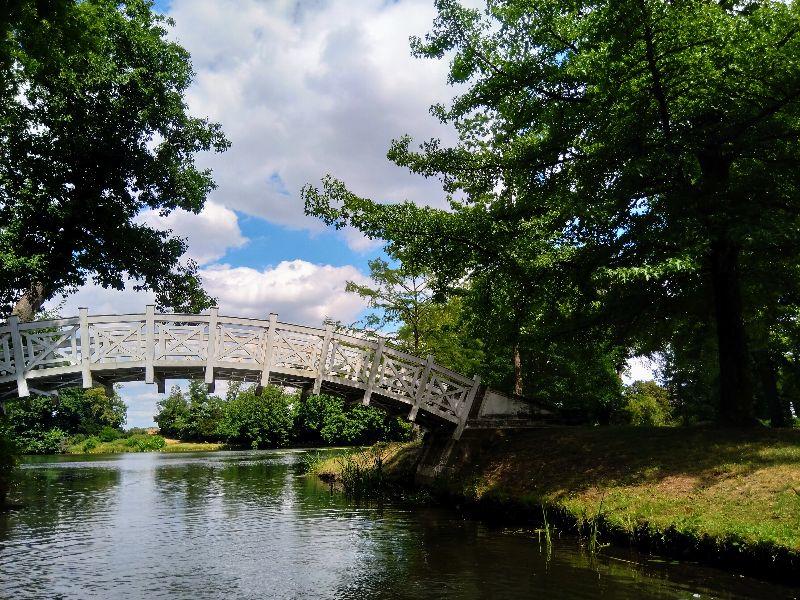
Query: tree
point(263, 421)
point(641, 155)
point(647, 405)
point(94, 130)
point(400, 295)
point(41, 424)
point(172, 417)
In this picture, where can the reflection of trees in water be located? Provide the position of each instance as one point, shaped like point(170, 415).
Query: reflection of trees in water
point(49, 495)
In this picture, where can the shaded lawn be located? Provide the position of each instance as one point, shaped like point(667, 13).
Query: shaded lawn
point(740, 484)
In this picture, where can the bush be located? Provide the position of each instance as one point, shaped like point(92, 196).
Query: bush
point(109, 434)
point(143, 442)
point(324, 419)
point(91, 443)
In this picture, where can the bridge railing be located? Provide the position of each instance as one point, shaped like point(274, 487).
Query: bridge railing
point(88, 348)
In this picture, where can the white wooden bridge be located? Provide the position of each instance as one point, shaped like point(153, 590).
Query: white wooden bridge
point(43, 356)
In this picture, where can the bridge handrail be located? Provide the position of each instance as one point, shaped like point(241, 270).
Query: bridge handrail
point(108, 346)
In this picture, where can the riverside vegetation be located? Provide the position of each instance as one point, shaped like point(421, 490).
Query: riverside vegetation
point(91, 421)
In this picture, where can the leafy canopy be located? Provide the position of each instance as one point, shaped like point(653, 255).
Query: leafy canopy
point(94, 130)
point(628, 162)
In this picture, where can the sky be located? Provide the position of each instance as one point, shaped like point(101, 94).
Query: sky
point(302, 89)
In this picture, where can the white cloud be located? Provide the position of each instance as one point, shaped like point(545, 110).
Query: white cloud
point(299, 291)
point(209, 234)
point(303, 89)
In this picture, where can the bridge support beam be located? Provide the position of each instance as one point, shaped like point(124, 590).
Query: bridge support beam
point(86, 369)
point(323, 358)
point(423, 386)
point(373, 373)
point(466, 409)
point(269, 344)
point(211, 349)
point(149, 336)
point(19, 356)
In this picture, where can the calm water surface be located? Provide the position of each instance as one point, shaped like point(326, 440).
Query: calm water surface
point(248, 525)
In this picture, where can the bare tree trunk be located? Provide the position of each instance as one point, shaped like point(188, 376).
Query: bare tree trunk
point(735, 385)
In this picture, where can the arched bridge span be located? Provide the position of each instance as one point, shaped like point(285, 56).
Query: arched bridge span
point(43, 356)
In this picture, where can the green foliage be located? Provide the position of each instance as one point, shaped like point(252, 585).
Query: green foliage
point(625, 172)
point(94, 130)
point(257, 421)
point(42, 424)
point(173, 414)
point(323, 419)
point(647, 404)
point(274, 419)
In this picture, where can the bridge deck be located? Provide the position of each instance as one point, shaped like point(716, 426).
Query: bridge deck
point(43, 356)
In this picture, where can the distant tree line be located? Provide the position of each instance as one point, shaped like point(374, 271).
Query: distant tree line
point(273, 419)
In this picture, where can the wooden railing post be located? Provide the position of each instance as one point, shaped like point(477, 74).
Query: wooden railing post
point(323, 358)
point(373, 372)
point(86, 348)
point(19, 356)
point(466, 407)
point(269, 349)
point(211, 350)
point(149, 343)
point(423, 385)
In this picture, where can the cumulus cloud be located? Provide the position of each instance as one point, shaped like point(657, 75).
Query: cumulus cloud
point(305, 89)
point(299, 291)
point(209, 234)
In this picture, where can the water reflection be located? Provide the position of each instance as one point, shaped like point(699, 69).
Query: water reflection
point(247, 525)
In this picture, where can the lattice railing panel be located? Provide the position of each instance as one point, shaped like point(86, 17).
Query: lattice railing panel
point(6, 355)
point(178, 341)
point(445, 393)
point(117, 342)
point(348, 361)
point(296, 350)
point(51, 347)
point(399, 376)
point(236, 344)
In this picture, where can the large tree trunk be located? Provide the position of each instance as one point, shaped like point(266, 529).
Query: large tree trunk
point(517, 370)
point(778, 408)
point(735, 385)
point(30, 303)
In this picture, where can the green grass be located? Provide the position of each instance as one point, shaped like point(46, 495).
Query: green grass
point(175, 446)
point(140, 442)
point(735, 487)
point(717, 483)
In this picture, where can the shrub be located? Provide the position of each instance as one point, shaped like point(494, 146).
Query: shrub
point(257, 421)
point(91, 443)
point(143, 442)
point(109, 434)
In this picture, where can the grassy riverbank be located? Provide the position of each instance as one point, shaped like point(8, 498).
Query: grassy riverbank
point(726, 496)
point(140, 443)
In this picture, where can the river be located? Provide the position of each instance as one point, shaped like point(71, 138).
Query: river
point(250, 525)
